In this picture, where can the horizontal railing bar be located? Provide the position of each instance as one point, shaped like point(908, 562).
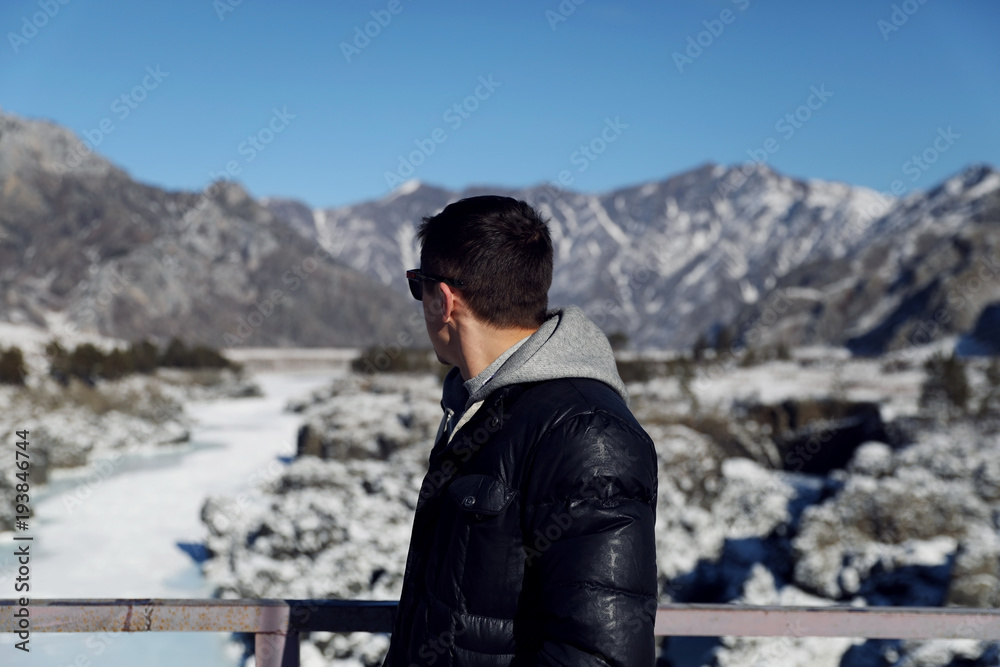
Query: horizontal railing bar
point(271, 616)
point(283, 616)
point(867, 622)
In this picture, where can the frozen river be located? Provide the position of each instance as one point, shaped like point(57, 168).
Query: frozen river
point(122, 540)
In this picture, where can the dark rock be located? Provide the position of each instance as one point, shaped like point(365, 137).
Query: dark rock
point(815, 436)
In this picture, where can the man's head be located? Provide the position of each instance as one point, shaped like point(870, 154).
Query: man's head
point(500, 250)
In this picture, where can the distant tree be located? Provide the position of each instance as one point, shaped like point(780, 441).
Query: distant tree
point(992, 395)
point(12, 368)
point(723, 340)
point(86, 362)
point(118, 363)
point(633, 370)
point(58, 361)
point(993, 373)
point(700, 346)
point(144, 356)
point(946, 386)
point(685, 376)
point(378, 359)
point(782, 353)
point(175, 355)
point(202, 356)
point(618, 340)
point(179, 355)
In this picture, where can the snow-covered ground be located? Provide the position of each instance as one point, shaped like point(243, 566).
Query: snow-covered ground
point(114, 529)
point(914, 524)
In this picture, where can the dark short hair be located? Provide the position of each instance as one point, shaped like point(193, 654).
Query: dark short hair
point(501, 249)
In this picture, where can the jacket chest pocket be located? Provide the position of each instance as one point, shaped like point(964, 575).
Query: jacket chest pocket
point(485, 545)
point(480, 497)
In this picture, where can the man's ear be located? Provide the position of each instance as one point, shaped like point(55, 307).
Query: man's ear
point(439, 302)
point(450, 300)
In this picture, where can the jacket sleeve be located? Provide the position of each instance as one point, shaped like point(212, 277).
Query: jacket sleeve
point(589, 509)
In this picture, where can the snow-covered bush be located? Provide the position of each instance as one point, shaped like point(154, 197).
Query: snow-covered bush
point(335, 525)
point(903, 526)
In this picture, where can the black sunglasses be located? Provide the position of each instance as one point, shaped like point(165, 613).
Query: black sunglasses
point(417, 279)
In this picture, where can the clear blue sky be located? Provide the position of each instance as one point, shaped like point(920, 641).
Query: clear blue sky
point(891, 90)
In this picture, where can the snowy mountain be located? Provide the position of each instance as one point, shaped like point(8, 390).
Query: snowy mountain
point(668, 261)
point(84, 247)
point(928, 269)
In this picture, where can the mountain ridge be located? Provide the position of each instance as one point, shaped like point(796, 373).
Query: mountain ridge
point(128, 260)
point(666, 262)
point(706, 245)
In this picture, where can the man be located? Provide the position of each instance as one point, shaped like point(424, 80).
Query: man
point(532, 540)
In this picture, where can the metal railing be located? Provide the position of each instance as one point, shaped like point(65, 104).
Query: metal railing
point(277, 623)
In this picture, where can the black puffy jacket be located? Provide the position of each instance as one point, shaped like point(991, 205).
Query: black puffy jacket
point(533, 540)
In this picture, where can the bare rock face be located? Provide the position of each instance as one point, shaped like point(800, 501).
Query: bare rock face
point(985, 336)
point(48, 148)
point(770, 258)
point(926, 270)
point(342, 433)
point(646, 260)
point(907, 527)
point(816, 436)
point(128, 260)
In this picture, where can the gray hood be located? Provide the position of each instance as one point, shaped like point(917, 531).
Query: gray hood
point(567, 344)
